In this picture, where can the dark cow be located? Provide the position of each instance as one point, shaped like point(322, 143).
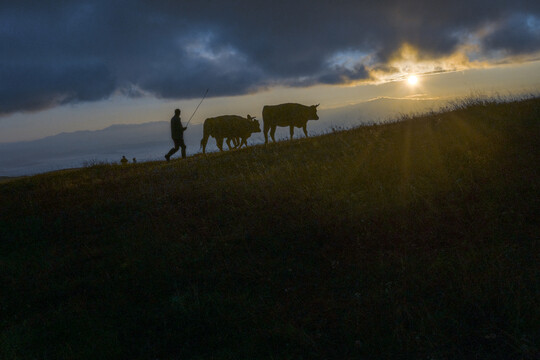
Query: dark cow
point(291, 115)
point(229, 127)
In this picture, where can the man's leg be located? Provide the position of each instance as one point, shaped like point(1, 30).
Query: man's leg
point(183, 151)
point(183, 146)
point(173, 150)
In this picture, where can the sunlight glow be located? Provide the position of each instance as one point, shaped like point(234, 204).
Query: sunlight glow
point(412, 80)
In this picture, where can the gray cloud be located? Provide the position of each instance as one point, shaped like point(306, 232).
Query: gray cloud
point(33, 87)
point(340, 75)
point(517, 34)
point(53, 52)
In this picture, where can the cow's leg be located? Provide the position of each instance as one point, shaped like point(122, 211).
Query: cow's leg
point(243, 142)
point(266, 128)
point(229, 143)
point(203, 143)
point(219, 143)
point(291, 131)
point(236, 142)
point(305, 130)
point(272, 132)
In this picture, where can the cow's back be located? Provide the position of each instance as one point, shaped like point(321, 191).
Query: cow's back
point(284, 114)
point(219, 124)
point(225, 126)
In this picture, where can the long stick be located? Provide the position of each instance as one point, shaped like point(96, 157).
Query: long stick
point(197, 108)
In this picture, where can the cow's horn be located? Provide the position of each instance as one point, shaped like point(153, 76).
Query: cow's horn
point(318, 104)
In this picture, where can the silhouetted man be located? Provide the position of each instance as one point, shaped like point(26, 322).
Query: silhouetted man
point(177, 133)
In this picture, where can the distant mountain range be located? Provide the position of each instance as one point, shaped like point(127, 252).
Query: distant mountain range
point(150, 141)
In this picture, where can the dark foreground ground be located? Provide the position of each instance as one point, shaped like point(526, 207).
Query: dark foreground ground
point(413, 240)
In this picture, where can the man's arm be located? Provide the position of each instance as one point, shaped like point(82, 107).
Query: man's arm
point(184, 128)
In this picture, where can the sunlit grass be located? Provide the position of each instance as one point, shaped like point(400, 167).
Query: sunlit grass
point(413, 239)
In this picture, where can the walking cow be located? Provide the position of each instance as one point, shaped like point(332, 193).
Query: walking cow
point(291, 115)
point(229, 127)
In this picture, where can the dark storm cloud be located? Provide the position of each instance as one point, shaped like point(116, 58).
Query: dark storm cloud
point(53, 52)
point(343, 75)
point(517, 34)
point(34, 87)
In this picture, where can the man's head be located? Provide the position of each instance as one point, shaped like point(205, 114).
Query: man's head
point(177, 112)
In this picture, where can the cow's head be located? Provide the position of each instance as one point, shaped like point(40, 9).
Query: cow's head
point(254, 124)
point(313, 112)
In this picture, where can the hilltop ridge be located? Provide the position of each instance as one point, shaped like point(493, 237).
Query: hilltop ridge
point(150, 141)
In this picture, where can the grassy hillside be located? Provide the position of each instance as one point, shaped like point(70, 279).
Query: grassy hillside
point(417, 239)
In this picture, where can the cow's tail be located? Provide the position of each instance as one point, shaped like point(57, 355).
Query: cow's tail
point(206, 134)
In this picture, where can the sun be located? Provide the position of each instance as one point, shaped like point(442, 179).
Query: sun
point(412, 80)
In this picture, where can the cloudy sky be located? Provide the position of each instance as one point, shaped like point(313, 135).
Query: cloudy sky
point(69, 65)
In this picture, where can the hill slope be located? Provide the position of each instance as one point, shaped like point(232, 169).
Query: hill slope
point(408, 240)
point(150, 141)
